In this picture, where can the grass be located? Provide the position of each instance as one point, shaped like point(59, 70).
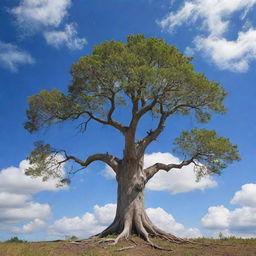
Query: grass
point(226, 246)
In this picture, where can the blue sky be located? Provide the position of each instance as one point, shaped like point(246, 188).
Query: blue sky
point(39, 40)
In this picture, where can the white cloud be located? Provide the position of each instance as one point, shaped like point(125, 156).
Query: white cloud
point(87, 225)
point(46, 16)
point(16, 204)
point(67, 37)
point(14, 180)
point(175, 181)
point(30, 227)
point(217, 217)
point(33, 14)
point(166, 222)
point(229, 55)
point(28, 211)
point(246, 196)
point(240, 221)
point(12, 57)
point(93, 223)
point(214, 16)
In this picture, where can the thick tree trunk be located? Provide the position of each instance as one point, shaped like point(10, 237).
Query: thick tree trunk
point(131, 217)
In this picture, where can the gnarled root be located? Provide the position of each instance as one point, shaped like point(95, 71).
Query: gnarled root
point(140, 225)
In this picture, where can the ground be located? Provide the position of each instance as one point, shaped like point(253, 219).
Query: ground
point(198, 247)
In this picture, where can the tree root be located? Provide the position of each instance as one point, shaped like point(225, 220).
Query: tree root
point(141, 226)
point(125, 248)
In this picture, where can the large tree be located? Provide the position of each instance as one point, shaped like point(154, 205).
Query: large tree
point(150, 77)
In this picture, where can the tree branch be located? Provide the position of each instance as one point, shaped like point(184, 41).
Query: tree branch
point(153, 134)
point(152, 170)
point(111, 160)
point(122, 128)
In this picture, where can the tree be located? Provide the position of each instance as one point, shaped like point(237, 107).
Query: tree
point(149, 77)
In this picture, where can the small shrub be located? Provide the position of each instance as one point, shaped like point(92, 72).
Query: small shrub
point(15, 239)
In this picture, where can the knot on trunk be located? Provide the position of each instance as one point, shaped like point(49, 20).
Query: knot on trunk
point(140, 182)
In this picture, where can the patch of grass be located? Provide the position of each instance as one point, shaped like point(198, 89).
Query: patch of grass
point(92, 253)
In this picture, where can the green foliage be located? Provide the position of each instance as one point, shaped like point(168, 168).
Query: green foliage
point(46, 162)
point(211, 152)
point(15, 239)
point(140, 71)
point(49, 107)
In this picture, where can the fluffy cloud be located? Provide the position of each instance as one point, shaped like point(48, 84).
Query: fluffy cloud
point(214, 17)
point(30, 227)
point(246, 196)
point(93, 223)
point(231, 55)
point(14, 180)
point(46, 16)
point(175, 181)
point(12, 57)
point(166, 222)
point(87, 225)
point(16, 205)
point(240, 221)
point(67, 37)
point(33, 14)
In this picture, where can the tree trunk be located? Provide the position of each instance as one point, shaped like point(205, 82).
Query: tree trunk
point(131, 217)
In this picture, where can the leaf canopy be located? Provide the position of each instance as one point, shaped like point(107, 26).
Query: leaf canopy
point(134, 73)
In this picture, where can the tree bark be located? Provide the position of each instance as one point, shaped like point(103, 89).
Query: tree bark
point(131, 217)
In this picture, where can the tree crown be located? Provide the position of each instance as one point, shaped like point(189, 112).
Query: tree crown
point(147, 75)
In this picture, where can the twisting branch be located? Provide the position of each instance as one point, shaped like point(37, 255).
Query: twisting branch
point(111, 160)
point(152, 170)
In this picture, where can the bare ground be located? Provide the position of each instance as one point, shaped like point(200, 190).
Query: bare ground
point(133, 247)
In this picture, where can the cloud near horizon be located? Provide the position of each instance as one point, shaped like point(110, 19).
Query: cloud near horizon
point(92, 223)
point(239, 222)
point(214, 18)
point(16, 199)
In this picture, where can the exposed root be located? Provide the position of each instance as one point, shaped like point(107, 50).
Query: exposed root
point(125, 248)
point(158, 247)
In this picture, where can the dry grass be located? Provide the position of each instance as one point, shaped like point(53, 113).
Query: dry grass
point(198, 247)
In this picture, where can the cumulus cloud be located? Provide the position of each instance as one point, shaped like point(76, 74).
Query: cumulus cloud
point(175, 181)
point(166, 222)
point(246, 196)
point(214, 18)
point(35, 14)
point(93, 223)
point(11, 56)
point(68, 37)
point(16, 199)
point(30, 227)
point(47, 16)
point(87, 225)
point(240, 221)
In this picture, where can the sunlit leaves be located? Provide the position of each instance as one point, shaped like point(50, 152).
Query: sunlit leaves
point(211, 152)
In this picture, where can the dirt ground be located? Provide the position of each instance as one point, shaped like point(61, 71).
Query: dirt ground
point(134, 247)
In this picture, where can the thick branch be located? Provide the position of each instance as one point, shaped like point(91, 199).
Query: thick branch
point(152, 134)
point(111, 160)
point(152, 170)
